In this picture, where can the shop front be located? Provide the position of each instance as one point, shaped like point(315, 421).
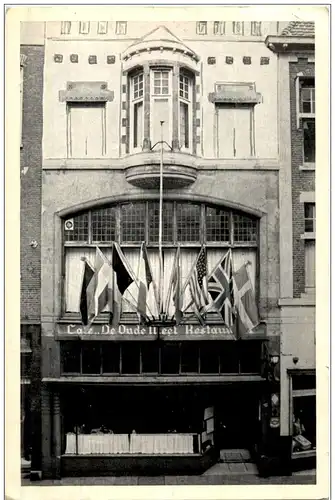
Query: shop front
point(154, 403)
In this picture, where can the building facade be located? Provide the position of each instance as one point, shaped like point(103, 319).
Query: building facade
point(295, 48)
point(162, 397)
point(31, 99)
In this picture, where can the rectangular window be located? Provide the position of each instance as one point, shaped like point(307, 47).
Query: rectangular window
point(65, 27)
point(84, 27)
point(184, 125)
point(86, 130)
point(110, 357)
point(235, 135)
point(170, 358)
point(228, 353)
point(130, 356)
point(161, 82)
point(217, 225)
point(189, 358)
point(103, 224)
point(307, 96)
point(209, 359)
point(150, 358)
point(138, 124)
point(183, 86)
point(138, 86)
point(219, 28)
point(70, 354)
point(309, 140)
point(79, 229)
point(245, 229)
point(256, 28)
point(309, 209)
point(188, 222)
point(133, 217)
point(304, 424)
point(309, 265)
point(91, 358)
point(154, 222)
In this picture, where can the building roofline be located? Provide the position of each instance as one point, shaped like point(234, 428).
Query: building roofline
point(280, 43)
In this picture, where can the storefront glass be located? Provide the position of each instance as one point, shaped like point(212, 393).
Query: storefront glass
point(303, 415)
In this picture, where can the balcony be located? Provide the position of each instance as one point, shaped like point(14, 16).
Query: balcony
point(142, 170)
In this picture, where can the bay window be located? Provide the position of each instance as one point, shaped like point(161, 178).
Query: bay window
point(130, 223)
point(169, 99)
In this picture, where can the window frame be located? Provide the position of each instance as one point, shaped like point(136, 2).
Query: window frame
point(313, 219)
point(77, 104)
point(133, 102)
point(256, 28)
point(301, 116)
point(186, 101)
point(161, 98)
point(251, 109)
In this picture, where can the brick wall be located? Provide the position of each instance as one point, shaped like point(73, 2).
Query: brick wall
point(31, 175)
point(301, 180)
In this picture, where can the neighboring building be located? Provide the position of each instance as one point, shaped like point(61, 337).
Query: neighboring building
point(31, 98)
point(295, 49)
point(107, 86)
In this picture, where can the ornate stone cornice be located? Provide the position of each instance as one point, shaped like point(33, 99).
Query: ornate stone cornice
point(86, 92)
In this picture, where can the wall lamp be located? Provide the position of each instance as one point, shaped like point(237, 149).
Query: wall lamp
point(274, 358)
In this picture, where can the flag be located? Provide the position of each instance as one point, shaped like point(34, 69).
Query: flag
point(245, 302)
point(87, 277)
point(145, 279)
point(97, 289)
point(175, 288)
point(197, 283)
point(220, 289)
point(118, 283)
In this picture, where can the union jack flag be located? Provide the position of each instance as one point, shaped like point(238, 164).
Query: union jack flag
point(198, 282)
point(220, 289)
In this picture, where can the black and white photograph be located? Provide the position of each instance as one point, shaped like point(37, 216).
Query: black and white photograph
point(168, 250)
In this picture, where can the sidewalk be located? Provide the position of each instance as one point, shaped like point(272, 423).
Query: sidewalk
point(220, 476)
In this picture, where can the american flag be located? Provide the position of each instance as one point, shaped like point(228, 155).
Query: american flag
point(220, 289)
point(198, 282)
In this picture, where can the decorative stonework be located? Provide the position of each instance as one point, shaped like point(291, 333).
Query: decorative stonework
point(247, 60)
point(201, 28)
point(74, 58)
point(110, 59)
point(121, 28)
point(219, 28)
point(265, 60)
point(92, 60)
point(65, 27)
point(229, 60)
point(84, 27)
point(235, 92)
point(86, 92)
point(58, 58)
point(211, 60)
point(238, 28)
point(102, 27)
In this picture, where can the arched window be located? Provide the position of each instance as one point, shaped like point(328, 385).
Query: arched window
point(185, 223)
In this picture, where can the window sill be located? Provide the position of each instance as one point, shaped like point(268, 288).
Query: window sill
point(308, 236)
point(307, 166)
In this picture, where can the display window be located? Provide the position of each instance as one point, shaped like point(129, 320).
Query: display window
point(303, 415)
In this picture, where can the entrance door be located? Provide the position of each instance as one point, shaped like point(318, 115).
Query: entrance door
point(237, 418)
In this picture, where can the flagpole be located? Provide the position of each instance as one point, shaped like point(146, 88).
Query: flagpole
point(160, 236)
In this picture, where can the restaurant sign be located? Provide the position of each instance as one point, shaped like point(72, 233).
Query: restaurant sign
point(139, 332)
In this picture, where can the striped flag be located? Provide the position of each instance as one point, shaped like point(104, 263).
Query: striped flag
point(97, 289)
point(119, 281)
point(87, 277)
point(220, 289)
point(175, 288)
point(197, 283)
point(245, 302)
point(145, 279)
